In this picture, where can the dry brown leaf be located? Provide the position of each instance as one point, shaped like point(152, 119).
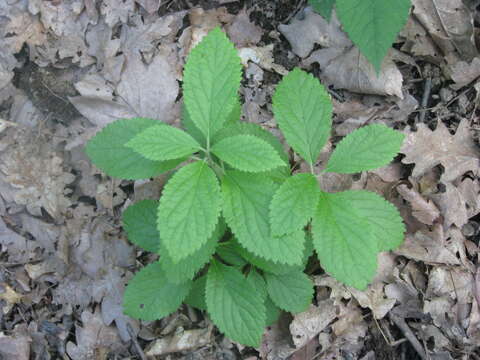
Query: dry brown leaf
point(452, 205)
point(150, 6)
point(423, 209)
point(10, 296)
point(242, 31)
point(94, 339)
point(15, 347)
point(308, 324)
point(426, 149)
point(181, 340)
point(463, 73)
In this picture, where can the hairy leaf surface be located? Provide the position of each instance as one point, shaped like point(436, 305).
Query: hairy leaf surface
point(188, 210)
point(140, 224)
point(186, 268)
point(293, 204)
point(247, 153)
point(163, 142)
point(383, 217)
point(150, 296)
point(233, 306)
point(246, 200)
point(367, 148)
point(344, 241)
point(303, 110)
point(373, 25)
point(291, 292)
point(211, 81)
point(108, 152)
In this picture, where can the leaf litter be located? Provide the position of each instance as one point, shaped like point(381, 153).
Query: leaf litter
point(64, 258)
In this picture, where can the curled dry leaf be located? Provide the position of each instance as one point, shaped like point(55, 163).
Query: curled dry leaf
point(181, 340)
point(423, 209)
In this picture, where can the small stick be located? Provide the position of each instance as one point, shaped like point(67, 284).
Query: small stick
point(402, 325)
point(135, 342)
point(426, 95)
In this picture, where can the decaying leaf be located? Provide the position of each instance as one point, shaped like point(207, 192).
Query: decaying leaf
point(426, 149)
point(423, 209)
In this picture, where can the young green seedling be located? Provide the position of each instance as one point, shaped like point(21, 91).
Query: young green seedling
point(231, 224)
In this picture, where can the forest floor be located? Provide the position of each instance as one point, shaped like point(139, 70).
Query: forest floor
point(69, 67)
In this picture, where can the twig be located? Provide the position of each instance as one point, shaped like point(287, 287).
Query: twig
point(426, 95)
point(135, 342)
point(402, 325)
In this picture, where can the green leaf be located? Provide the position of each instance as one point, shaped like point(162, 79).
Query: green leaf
point(367, 148)
point(373, 25)
point(163, 142)
point(258, 282)
point(261, 263)
point(247, 153)
point(273, 312)
point(383, 217)
point(246, 200)
point(211, 81)
point(150, 296)
point(186, 268)
point(233, 306)
point(279, 174)
point(196, 296)
point(303, 110)
point(108, 152)
point(294, 203)
point(292, 292)
point(188, 210)
point(190, 127)
point(323, 7)
point(140, 224)
point(228, 253)
point(343, 241)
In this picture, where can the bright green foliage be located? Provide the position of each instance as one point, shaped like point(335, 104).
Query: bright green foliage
point(367, 148)
point(188, 210)
point(139, 222)
point(383, 217)
point(247, 153)
point(211, 80)
point(291, 292)
point(344, 241)
point(323, 7)
point(186, 268)
point(246, 200)
point(278, 175)
point(163, 142)
point(108, 152)
point(150, 295)
point(232, 305)
point(196, 296)
point(244, 281)
point(303, 111)
point(293, 204)
point(373, 25)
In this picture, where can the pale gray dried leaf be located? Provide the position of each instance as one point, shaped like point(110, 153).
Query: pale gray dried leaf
point(428, 247)
point(150, 90)
point(16, 347)
point(102, 112)
point(463, 73)
point(181, 340)
point(116, 11)
point(92, 338)
point(418, 42)
point(310, 323)
point(374, 299)
point(470, 190)
point(242, 31)
point(150, 6)
point(452, 205)
point(423, 209)
point(426, 149)
point(457, 21)
point(309, 28)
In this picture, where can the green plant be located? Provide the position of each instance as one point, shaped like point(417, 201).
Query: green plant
point(232, 225)
point(371, 24)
